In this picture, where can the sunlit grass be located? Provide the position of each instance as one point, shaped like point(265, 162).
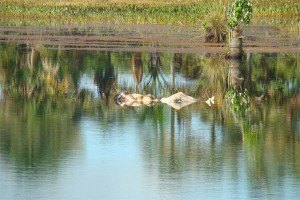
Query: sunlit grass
point(134, 11)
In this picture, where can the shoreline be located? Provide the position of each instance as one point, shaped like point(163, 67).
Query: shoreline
point(145, 38)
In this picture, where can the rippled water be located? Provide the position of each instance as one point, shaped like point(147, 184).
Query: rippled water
point(63, 147)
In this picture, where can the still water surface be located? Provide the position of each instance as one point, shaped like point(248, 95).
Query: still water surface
point(56, 145)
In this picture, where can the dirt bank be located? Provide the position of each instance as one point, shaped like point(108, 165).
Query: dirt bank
point(183, 39)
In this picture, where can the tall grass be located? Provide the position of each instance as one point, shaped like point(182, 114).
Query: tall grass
point(135, 11)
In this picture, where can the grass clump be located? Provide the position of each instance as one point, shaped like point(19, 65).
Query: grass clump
point(215, 28)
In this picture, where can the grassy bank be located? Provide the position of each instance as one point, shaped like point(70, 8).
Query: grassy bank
point(134, 11)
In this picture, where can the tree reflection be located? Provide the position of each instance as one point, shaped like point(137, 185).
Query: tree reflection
point(35, 73)
point(156, 80)
point(213, 79)
point(176, 142)
point(267, 134)
point(36, 133)
point(137, 67)
point(105, 76)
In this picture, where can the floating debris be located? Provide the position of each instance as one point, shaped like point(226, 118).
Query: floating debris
point(210, 101)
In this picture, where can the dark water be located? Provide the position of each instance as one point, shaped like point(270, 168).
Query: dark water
point(62, 136)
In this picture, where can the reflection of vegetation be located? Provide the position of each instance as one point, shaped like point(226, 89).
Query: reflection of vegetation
point(37, 72)
point(239, 101)
point(270, 141)
point(156, 82)
point(36, 132)
point(105, 75)
point(137, 67)
point(278, 76)
point(191, 66)
point(34, 73)
point(213, 78)
point(236, 96)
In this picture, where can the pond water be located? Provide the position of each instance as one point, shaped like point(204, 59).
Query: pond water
point(62, 136)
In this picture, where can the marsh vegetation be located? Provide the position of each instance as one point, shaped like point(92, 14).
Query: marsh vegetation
point(62, 62)
point(134, 12)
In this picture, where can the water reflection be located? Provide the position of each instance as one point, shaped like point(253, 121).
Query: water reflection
point(105, 76)
point(61, 133)
point(137, 67)
point(30, 138)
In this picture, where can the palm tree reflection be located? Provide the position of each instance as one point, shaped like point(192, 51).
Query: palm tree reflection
point(190, 140)
point(137, 67)
point(156, 80)
point(105, 76)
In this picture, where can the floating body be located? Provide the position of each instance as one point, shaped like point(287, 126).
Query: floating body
point(177, 101)
point(126, 99)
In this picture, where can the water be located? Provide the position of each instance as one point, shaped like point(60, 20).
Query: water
point(62, 136)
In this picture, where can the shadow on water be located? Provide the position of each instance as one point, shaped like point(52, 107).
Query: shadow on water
point(251, 133)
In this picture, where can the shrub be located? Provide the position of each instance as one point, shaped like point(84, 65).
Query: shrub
point(215, 28)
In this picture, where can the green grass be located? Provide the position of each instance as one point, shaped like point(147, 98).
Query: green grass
point(133, 11)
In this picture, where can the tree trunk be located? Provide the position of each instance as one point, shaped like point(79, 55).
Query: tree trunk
point(236, 44)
